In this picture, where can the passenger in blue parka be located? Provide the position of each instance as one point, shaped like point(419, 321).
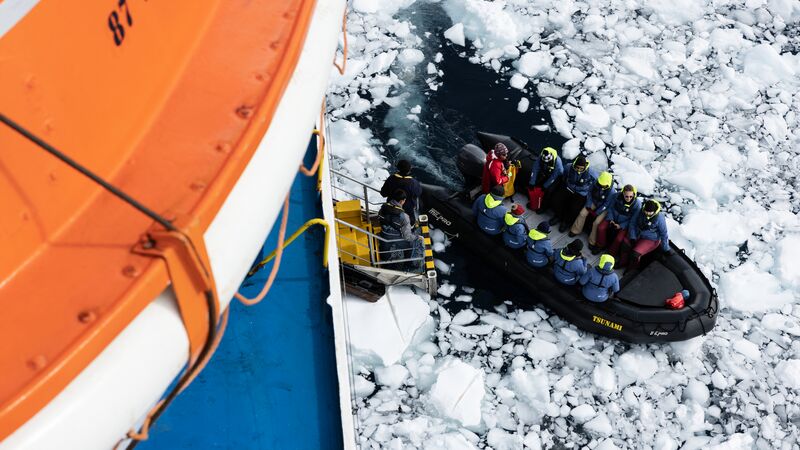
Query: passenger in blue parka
point(600, 282)
point(515, 233)
point(489, 211)
point(569, 264)
point(570, 198)
point(540, 249)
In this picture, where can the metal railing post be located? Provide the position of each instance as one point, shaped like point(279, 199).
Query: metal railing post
point(372, 259)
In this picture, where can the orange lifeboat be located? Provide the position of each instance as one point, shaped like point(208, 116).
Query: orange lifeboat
point(132, 134)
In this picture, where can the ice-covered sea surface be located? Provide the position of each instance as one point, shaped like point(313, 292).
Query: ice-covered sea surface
point(694, 101)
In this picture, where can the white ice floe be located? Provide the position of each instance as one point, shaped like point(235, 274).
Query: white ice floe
point(380, 332)
point(458, 392)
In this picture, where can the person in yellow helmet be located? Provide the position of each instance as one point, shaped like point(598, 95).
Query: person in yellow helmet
point(601, 281)
point(600, 196)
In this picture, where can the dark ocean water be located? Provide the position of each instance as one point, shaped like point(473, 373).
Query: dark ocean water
point(471, 98)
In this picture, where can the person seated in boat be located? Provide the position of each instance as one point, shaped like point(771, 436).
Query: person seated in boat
point(600, 282)
point(571, 196)
point(600, 196)
point(489, 211)
point(569, 264)
point(647, 231)
point(515, 233)
point(540, 249)
point(495, 169)
point(545, 177)
point(619, 216)
point(396, 228)
point(402, 179)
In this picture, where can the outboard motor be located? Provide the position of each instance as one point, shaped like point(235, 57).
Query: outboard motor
point(470, 161)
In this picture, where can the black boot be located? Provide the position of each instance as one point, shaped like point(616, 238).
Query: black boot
point(553, 221)
point(563, 227)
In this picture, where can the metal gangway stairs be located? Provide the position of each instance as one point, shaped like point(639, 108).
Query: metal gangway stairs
point(366, 268)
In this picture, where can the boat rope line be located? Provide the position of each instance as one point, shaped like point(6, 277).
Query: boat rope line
point(278, 257)
point(87, 173)
point(341, 68)
point(215, 330)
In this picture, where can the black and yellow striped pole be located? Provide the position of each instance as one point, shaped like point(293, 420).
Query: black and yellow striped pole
point(430, 268)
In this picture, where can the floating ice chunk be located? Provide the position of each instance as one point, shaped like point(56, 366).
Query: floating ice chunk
point(366, 6)
point(718, 380)
point(410, 57)
point(446, 289)
point(570, 75)
point(532, 441)
point(441, 266)
point(736, 441)
point(463, 298)
point(541, 350)
point(640, 61)
point(571, 148)
point(789, 373)
point(776, 126)
point(533, 64)
point(458, 392)
point(604, 378)
point(362, 387)
point(582, 413)
point(528, 317)
point(499, 321)
point(638, 365)
point(674, 54)
point(637, 139)
point(747, 348)
point(503, 440)
point(523, 104)
point(449, 441)
point(455, 34)
point(788, 268)
point(381, 62)
point(599, 426)
point(764, 64)
point(748, 288)
point(380, 332)
point(518, 81)
point(788, 10)
point(781, 323)
point(698, 391)
point(592, 117)
point(699, 173)
point(465, 317)
point(728, 226)
point(675, 12)
point(630, 172)
point(532, 387)
point(727, 39)
point(608, 444)
point(392, 376)
point(594, 144)
point(491, 28)
point(561, 122)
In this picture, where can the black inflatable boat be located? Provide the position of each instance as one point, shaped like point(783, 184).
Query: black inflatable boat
point(637, 313)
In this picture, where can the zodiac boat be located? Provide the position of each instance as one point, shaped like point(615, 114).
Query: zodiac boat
point(637, 313)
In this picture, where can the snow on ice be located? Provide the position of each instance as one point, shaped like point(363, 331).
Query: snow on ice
point(696, 103)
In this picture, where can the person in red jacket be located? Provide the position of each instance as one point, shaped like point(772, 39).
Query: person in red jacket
point(495, 171)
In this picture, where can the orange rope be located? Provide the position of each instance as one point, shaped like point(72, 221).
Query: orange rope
point(144, 432)
point(278, 255)
point(344, 50)
point(311, 171)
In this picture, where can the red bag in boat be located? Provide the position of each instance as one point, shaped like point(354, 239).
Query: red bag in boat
point(676, 301)
point(535, 196)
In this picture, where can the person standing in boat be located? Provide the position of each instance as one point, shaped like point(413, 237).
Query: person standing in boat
point(396, 228)
point(489, 211)
point(545, 177)
point(569, 265)
point(619, 216)
point(648, 231)
point(495, 170)
point(402, 179)
point(600, 196)
point(600, 282)
point(515, 233)
point(571, 196)
point(540, 249)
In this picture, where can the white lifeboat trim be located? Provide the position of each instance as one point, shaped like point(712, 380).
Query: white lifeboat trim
point(12, 11)
point(113, 393)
